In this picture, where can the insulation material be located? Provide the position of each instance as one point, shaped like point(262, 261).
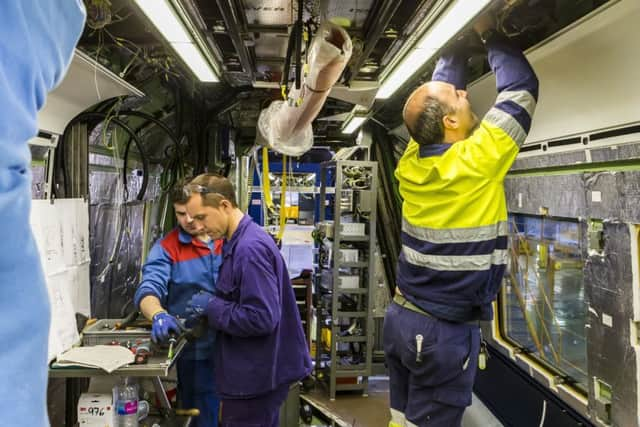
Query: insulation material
point(603, 195)
point(116, 231)
point(616, 152)
point(608, 287)
point(105, 186)
point(612, 197)
point(102, 160)
point(619, 194)
point(558, 159)
point(286, 126)
point(613, 153)
point(528, 194)
point(116, 236)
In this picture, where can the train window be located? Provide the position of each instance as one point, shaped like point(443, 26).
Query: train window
point(543, 302)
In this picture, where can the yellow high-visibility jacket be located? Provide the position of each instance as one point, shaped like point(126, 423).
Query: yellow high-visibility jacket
point(454, 231)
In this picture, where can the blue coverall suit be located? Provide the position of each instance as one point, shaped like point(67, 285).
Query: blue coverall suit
point(261, 348)
point(454, 246)
point(179, 266)
point(37, 41)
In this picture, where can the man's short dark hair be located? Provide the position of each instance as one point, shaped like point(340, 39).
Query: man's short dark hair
point(428, 127)
point(178, 195)
point(218, 188)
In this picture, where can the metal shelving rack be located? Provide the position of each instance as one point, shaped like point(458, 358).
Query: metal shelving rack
point(354, 202)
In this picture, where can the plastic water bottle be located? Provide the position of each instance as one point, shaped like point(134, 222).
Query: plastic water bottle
point(125, 404)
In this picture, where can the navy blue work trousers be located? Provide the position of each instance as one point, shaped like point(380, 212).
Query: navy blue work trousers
point(261, 411)
point(431, 388)
point(196, 389)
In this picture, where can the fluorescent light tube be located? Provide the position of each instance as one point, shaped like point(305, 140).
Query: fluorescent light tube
point(162, 15)
point(454, 19)
point(193, 57)
point(446, 27)
point(164, 18)
point(352, 124)
point(403, 71)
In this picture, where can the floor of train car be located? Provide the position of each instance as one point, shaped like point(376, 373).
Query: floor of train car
point(354, 410)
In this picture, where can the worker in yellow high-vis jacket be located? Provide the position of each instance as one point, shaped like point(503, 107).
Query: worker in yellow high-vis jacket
point(454, 230)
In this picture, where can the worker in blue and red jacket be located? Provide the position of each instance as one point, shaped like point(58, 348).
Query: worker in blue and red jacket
point(454, 230)
point(183, 263)
point(261, 348)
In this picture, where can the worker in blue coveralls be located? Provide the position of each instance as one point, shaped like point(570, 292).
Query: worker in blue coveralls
point(38, 38)
point(261, 348)
point(454, 230)
point(183, 263)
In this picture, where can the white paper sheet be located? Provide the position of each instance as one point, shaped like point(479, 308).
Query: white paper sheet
point(107, 357)
point(63, 333)
point(79, 289)
point(61, 231)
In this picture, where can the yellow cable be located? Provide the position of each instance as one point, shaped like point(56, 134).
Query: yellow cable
point(283, 198)
point(266, 185)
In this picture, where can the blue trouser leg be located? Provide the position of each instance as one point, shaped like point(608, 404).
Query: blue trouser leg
point(434, 387)
point(196, 389)
point(399, 389)
point(261, 411)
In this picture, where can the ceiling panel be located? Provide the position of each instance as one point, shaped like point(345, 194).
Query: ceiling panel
point(355, 10)
point(268, 12)
point(271, 45)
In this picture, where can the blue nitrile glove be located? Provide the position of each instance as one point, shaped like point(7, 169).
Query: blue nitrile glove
point(197, 305)
point(163, 324)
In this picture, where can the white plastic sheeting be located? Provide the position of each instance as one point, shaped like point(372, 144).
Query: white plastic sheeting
point(286, 126)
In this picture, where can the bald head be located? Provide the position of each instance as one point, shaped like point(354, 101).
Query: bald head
point(436, 112)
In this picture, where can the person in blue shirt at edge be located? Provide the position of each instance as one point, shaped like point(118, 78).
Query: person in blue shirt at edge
point(454, 230)
point(186, 261)
point(261, 348)
point(38, 39)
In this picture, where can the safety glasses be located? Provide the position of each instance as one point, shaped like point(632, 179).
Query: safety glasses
point(189, 189)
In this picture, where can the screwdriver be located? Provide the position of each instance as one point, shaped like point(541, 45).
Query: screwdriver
point(172, 342)
point(419, 339)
